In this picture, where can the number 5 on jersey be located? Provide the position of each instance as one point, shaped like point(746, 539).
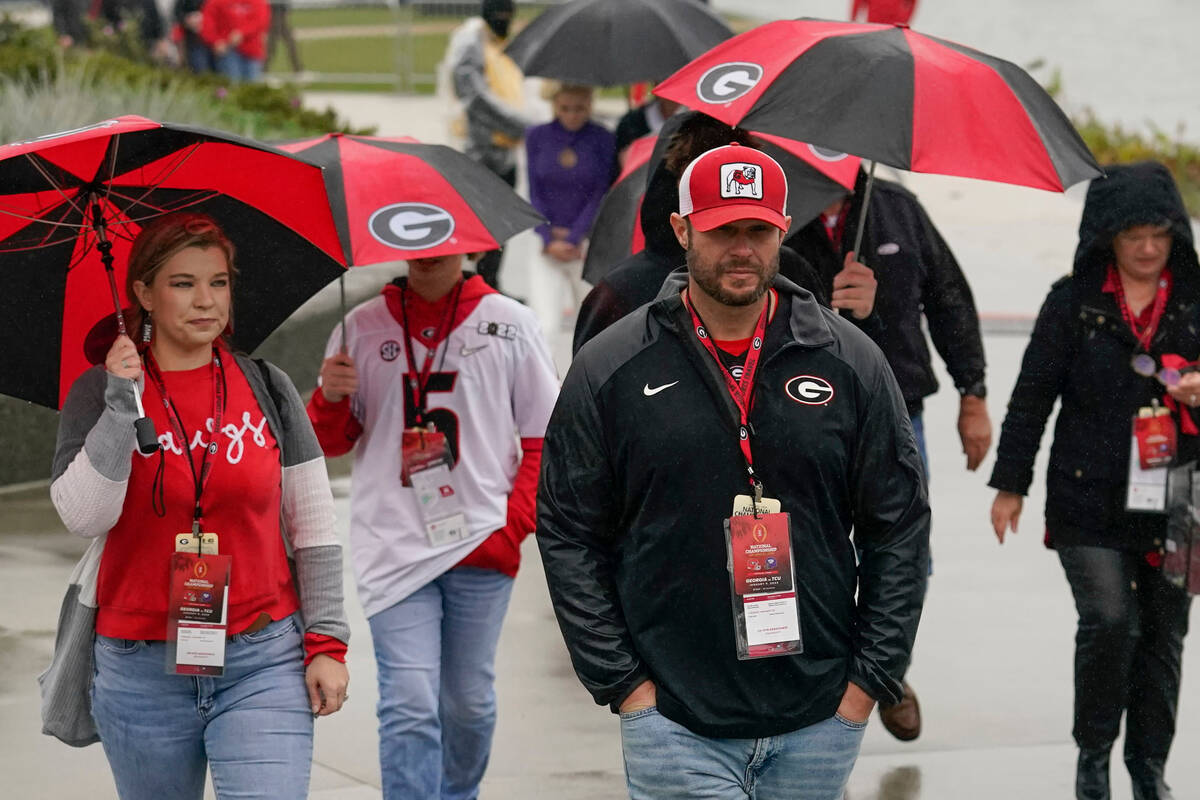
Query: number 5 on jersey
point(444, 420)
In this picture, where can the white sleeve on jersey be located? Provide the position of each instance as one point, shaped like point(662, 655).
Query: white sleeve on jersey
point(534, 384)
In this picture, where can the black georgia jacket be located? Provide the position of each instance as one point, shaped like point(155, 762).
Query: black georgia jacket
point(1080, 353)
point(639, 470)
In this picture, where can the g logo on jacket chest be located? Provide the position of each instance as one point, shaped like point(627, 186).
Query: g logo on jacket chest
point(810, 390)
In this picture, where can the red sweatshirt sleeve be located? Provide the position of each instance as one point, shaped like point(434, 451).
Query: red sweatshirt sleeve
point(317, 644)
point(502, 550)
point(336, 428)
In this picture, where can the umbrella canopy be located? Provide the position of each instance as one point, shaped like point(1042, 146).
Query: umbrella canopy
point(892, 95)
point(61, 194)
point(613, 42)
point(816, 177)
point(396, 198)
point(617, 231)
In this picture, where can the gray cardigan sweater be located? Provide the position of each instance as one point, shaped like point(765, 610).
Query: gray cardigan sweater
point(91, 469)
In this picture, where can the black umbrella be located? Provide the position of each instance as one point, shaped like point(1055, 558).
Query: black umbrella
point(615, 42)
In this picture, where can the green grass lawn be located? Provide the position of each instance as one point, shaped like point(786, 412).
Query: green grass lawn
point(369, 55)
point(377, 15)
point(350, 15)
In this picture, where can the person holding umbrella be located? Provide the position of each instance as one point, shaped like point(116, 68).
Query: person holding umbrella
point(234, 490)
point(920, 285)
point(488, 88)
point(1109, 344)
point(442, 387)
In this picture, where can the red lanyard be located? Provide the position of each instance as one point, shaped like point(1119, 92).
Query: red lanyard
point(1160, 305)
point(200, 478)
point(742, 391)
point(420, 381)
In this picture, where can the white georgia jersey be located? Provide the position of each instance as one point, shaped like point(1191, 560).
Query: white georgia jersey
point(495, 386)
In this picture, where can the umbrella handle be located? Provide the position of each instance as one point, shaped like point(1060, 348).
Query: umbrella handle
point(862, 215)
point(143, 426)
point(342, 289)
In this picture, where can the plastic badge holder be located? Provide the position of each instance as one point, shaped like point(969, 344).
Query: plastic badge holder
point(1181, 561)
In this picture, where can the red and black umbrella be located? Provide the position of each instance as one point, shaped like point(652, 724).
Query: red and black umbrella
point(889, 94)
point(816, 177)
point(66, 197)
point(398, 199)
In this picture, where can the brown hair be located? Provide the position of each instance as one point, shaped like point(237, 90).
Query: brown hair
point(698, 134)
point(161, 239)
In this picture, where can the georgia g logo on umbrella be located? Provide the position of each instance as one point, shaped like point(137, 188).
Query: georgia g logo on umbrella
point(827, 154)
point(411, 226)
point(727, 82)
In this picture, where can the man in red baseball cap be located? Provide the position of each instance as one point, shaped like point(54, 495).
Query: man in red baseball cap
point(714, 462)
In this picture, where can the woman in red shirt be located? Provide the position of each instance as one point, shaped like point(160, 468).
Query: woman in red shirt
point(207, 650)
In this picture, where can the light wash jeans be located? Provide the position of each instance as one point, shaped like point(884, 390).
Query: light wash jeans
point(237, 67)
point(666, 761)
point(435, 652)
point(253, 724)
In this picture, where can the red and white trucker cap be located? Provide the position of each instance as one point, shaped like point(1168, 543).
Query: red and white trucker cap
point(731, 183)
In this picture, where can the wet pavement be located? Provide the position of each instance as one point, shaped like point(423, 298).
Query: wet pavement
point(992, 668)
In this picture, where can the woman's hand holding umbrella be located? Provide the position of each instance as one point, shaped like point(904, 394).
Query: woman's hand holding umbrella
point(123, 360)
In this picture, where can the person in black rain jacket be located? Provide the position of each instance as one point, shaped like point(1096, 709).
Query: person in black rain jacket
point(1135, 270)
point(640, 465)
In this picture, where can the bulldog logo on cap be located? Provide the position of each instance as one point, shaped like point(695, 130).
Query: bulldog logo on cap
point(741, 180)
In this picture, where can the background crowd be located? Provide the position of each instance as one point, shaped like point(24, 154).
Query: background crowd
point(232, 37)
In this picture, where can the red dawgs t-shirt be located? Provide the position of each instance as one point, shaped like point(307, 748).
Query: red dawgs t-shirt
point(240, 503)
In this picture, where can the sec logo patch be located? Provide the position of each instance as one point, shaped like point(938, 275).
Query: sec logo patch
point(389, 350)
point(809, 390)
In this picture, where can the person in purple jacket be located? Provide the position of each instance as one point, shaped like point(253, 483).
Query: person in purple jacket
point(570, 168)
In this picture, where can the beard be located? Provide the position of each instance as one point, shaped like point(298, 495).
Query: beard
point(708, 277)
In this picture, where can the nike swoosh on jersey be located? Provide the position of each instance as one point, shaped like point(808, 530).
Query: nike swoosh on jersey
point(466, 351)
point(646, 390)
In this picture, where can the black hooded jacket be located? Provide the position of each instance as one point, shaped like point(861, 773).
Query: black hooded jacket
point(638, 279)
point(917, 274)
point(636, 483)
point(1080, 353)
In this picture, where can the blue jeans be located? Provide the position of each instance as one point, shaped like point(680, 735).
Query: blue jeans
point(253, 724)
point(918, 426)
point(237, 67)
point(435, 652)
point(666, 761)
point(200, 58)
